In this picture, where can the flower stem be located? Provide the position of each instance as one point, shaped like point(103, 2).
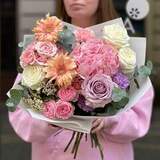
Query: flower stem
point(75, 142)
point(136, 82)
point(86, 137)
point(77, 146)
point(92, 140)
point(73, 135)
point(99, 146)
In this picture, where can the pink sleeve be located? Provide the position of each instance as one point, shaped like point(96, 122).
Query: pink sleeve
point(26, 127)
point(132, 124)
point(30, 129)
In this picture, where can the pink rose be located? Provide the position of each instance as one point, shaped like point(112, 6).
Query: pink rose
point(28, 57)
point(64, 110)
point(82, 35)
point(46, 48)
point(41, 59)
point(49, 109)
point(76, 83)
point(67, 94)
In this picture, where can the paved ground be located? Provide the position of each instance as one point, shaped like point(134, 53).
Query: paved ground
point(12, 148)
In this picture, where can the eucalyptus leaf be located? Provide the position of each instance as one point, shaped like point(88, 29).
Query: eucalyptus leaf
point(10, 103)
point(121, 104)
point(144, 71)
point(11, 109)
point(16, 95)
point(118, 94)
point(112, 111)
point(67, 38)
point(150, 65)
point(28, 39)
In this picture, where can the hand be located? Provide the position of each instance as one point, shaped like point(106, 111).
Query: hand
point(97, 125)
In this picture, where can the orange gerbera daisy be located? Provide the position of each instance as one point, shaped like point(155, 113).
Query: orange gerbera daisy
point(47, 29)
point(62, 68)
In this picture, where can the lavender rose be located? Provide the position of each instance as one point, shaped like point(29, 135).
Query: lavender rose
point(98, 90)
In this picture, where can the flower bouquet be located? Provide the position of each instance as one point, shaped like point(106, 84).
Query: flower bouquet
point(70, 76)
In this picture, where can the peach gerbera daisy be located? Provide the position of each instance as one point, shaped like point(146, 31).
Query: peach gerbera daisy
point(62, 68)
point(47, 29)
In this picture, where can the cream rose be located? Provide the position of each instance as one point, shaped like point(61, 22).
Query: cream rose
point(32, 76)
point(116, 34)
point(127, 58)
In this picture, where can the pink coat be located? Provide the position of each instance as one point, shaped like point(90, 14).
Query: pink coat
point(48, 142)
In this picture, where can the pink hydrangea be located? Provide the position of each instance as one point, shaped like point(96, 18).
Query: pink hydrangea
point(64, 110)
point(82, 35)
point(96, 56)
point(67, 94)
point(49, 109)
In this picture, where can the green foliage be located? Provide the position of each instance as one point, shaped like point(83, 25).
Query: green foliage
point(121, 103)
point(19, 69)
point(118, 94)
point(14, 100)
point(67, 38)
point(28, 39)
point(145, 70)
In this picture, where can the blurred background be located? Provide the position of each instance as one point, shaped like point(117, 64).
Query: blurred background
point(17, 19)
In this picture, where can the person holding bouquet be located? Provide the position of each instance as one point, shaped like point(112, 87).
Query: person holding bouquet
point(117, 132)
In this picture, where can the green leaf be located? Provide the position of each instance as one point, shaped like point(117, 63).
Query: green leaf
point(112, 110)
point(121, 103)
point(10, 103)
point(145, 70)
point(15, 98)
point(118, 94)
point(67, 38)
point(28, 39)
point(150, 65)
point(16, 95)
point(19, 69)
point(124, 101)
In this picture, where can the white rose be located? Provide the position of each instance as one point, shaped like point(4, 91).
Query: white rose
point(32, 76)
point(116, 34)
point(127, 58)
